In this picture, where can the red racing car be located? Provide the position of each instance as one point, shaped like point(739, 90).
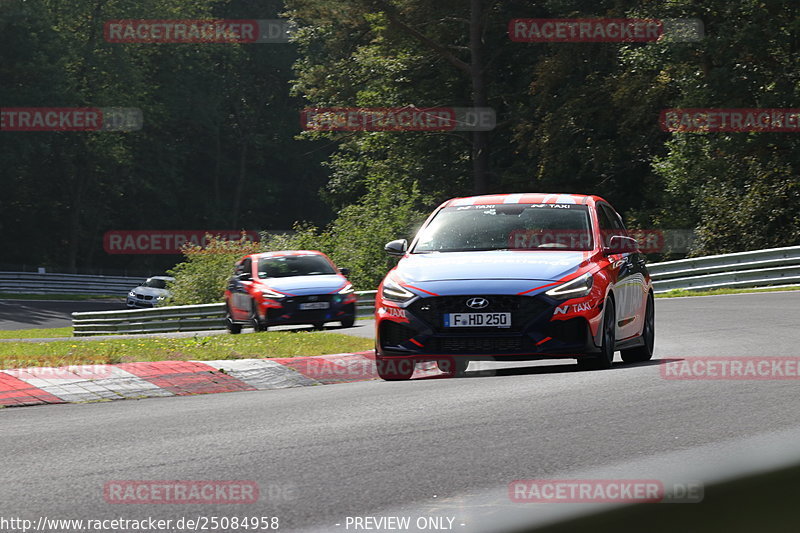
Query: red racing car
point(514, 277)
point(289, 287)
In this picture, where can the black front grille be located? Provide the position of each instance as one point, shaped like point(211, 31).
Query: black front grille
point(292, 304)
point(476, 345)
point(393, 334)
point(572, 331)
point(523, 309)
point(290, 309)
point(304, 299)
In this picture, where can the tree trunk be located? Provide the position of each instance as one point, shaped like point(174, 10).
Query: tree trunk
point(480, 139)
point(237, 201)
point(475, 69)
point(217, 171)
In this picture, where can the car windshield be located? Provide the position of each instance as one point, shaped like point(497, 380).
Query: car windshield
point(155, 283)
point(294, 265)
point(507, 227)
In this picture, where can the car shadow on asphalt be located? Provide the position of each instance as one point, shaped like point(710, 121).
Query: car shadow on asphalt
point(563, 368)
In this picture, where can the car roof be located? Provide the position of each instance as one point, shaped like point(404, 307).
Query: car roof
point(161, 277)
point(285, 253)
point(524, 198)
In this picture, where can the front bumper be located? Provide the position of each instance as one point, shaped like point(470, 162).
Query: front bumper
point(286, 311)
point(141, 303)
point(537, 329)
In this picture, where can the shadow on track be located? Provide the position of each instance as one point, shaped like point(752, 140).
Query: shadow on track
point(563, 368)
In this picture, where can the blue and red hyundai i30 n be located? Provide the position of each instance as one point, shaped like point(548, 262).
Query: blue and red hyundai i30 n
point(515, 277)
point(288, 288)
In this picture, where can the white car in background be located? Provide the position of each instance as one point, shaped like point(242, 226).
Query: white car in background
point(150, 293)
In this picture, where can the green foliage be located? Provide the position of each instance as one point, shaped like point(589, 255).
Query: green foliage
point(356, 238)
point(740, 191)
point(218, 118)
point(221, 125)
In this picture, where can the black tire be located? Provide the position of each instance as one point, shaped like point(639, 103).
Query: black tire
point(605, 358)
point(319, 325)
point(255, 322)
point(395, 369)
point(645, 352)
point(349, 321)
point(453, 367)
point(349, 309)
point(233, 328)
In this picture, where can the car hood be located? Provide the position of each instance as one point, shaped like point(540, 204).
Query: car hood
point(491, 265)
point(151, 291)
point(306, 284)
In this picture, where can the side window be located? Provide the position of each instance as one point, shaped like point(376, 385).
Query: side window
point(607, 229)
point(602, 217)
point(247, 267)
point(616, 221)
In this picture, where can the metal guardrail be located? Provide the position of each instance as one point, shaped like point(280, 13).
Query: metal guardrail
point(173, 318)
point(365, 307)
point(156, 320)
point(35, 283)
point(758, 268)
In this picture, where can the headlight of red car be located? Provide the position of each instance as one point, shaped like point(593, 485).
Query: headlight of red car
point(575, 288)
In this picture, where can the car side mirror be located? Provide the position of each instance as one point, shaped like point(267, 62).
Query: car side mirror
point(397, 247)
point(345, 271)
point(620, 244)
point(245, 276)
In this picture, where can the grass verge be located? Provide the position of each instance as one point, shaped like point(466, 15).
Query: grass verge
point(244, 346)
point(36, 333)
point(679, 293)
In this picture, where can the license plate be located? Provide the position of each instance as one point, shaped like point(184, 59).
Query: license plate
point(477, 320)
point(314, 305)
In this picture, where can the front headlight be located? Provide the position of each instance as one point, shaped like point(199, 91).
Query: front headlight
point(575, 288)
point(267, 293)
point(394, 292)
point(347, 289)
point(132, 294)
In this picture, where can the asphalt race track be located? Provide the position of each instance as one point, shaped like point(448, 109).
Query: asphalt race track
point(30, 314)
point(321, 454)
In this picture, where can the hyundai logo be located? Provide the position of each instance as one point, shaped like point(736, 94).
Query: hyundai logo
point(477, 303)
